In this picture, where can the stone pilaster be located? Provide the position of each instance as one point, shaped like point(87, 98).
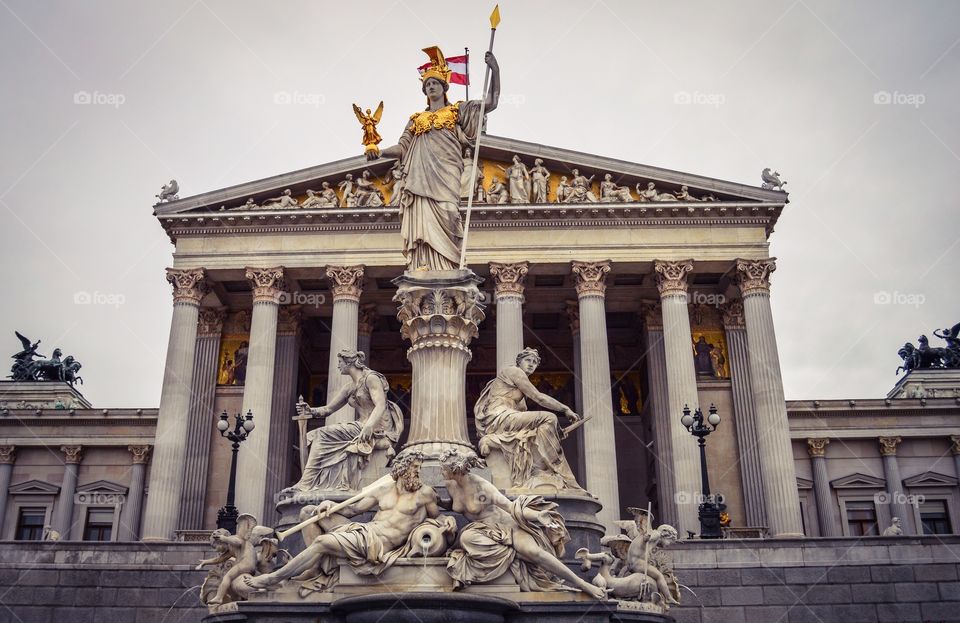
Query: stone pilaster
point(280, 456)
point(438, 312)
point(366, 324)
point(744, 413)
point(63, 515)
point(660, 411)
point(891, 473)
point(508, 282)
point(817, 449)
point(170, 440)
point(955, 450)
point(129, 528)
point(346, 284)
point(773, 437)
point(8, 455)
point(681, 388)
point(572, 311)
point(600, 448)
point(201, 419)
point(268, 290)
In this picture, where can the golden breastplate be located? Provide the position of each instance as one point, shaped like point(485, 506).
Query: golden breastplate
point(428, 120)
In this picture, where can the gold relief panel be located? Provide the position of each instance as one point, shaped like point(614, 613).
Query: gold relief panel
point(232, 366)
point(711, 358)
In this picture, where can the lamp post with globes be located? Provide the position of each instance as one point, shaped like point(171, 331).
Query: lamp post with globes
point(227, 515)
point(709, 509)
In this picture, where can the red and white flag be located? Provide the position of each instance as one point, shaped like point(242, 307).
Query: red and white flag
point(457, 64)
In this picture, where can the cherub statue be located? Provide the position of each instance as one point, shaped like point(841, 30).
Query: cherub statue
point(371, 138)
point(238, 556)
point(684, 195)
point(771, 181)
point(168, 192)
point(346, 192)
point(285, 201)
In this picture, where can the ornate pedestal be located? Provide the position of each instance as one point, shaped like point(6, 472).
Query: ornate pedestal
point(41, 395)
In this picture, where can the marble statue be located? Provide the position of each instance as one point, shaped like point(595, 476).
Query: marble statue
point(168, 192)
point(518, 181)
point(250, 204)
point(704, 356)
point(284, 202)
point(253, 549)
point(481, 194)
point(431, 153)
point(371, 138)
point(528, 440)
point(525, 536)
point(367, 195)
point(26, 367)
point(339, 452)
point(396, 190)
point(564, 190)
point(610, 192)
point(540, 179)
point(650, 193)
point(402, 502)
point(466, 183)
point(49, 534)
point(326, 198)
point(684, 195)
point(894, 529)
point(348, 198)
point(581, 188)
point(497, 193)
point(771, 181)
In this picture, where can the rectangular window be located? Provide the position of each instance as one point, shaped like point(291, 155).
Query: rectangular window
point(30, 523)
point(862, 518)
point(99, 525)
point(934, 517)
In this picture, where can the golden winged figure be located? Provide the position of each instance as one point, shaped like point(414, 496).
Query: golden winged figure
point(369, 122)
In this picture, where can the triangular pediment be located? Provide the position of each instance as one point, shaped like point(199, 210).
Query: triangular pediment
point(34, 487)
point(804, 483)
point(495, 153)
point(930, 479)
point(858, 481)
point(102, 486)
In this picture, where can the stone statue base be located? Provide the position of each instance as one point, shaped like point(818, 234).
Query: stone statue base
point(927, 383)
point(41, 395)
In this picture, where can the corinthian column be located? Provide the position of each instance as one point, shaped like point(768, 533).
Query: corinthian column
point(279, 457)
point(130, 518)
point(681, 388)
point(63, 518)
point(817, 449)
point(346, 283)
point(746, 417)
point(660, 409)
point(508, 290)
point(891, 473)
point(201, 419)
point(366, 324)
point(170, 441)
point(773, 438)
point(600, 448)
point(8, 455)
point(268, 289)
point(572, 310)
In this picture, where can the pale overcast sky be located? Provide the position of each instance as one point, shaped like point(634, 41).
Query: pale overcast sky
point(855, 103)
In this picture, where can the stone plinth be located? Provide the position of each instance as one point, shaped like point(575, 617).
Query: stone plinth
point(927, 384)
point(40, 395)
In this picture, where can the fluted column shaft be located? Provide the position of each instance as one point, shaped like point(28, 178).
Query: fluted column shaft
point(600, 446)
point(746, 417)
point(955, 449)
point(508, 291)
point(129, 525)
point(7, 457)
point(258, 388)
point(345, 283)
point(170, 440)
point(891, 473)
point(816, 448)
point(573, 316)
point(773, 439)
point(63, 515)
point(201, 419)
point(662, 422)
point(280, 455)
point(681, 389)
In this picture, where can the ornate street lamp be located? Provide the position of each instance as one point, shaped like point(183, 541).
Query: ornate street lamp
point(709, 509)
point(227, 515)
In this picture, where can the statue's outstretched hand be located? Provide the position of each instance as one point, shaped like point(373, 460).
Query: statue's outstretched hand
point(372, 154)
point(491, 60)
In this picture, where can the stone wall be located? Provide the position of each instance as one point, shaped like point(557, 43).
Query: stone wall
point(845, 580)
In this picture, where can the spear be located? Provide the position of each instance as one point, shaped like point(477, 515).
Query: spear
point(494, 22)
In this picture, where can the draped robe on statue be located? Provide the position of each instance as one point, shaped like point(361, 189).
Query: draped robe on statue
point(432, 160)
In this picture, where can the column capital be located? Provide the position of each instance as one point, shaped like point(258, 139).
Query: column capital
point(508, 278)
point(817, 447)
point(74, 454)
point(672, 276)
point(189, 285)
point(955, 444)
point(753, 276)
point(652, 313)
point(210, 321)
point(141, 454)
point(888, 445)
point(367, 320)
point(572, 311)
point(346, 282)
point(288, 319)
point(732, 312)
point(268, 284)
point(591, 277)
point(8, 454)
